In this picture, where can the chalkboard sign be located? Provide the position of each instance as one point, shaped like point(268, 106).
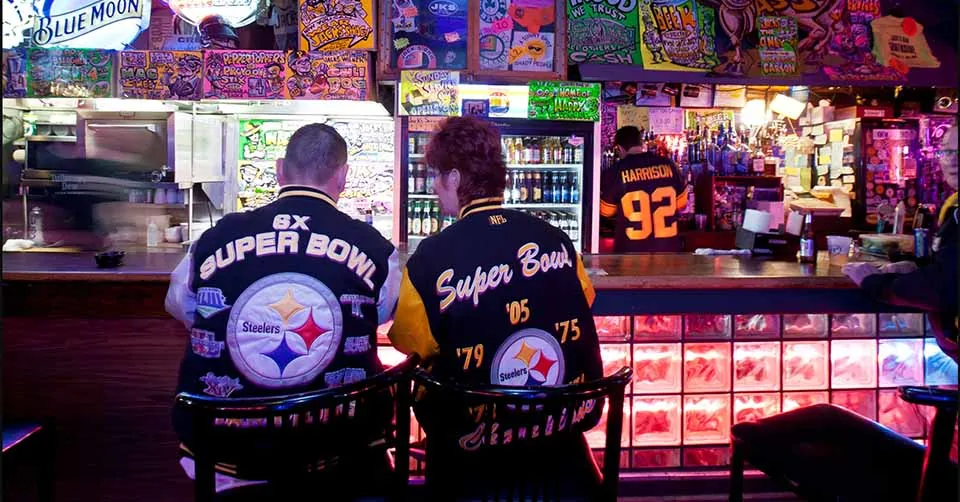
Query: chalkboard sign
point(551, 100)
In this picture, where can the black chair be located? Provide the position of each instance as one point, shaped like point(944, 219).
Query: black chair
point(518, 443)
point(825, 452)
point(35, 442)
point(286, 436)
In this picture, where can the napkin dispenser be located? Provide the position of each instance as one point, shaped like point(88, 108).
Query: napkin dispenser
point(768, 243)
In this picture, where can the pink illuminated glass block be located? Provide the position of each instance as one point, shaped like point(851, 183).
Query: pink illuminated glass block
point(656, 421)
point(757, 325)
point(597, 437)
point(706, 419)
point(390, 356)
point(612, 328)
point(656, 368)
point(382, 331)
point(706, 457)
point(853, 364)
point(804, 365)
point(940, 368)
point(624, 458)
point(660, 327)
point(414, 427)
point(795, 400)
point(901, 416)
point(861, 402)
point(854, 325)
point(614, 356)
point(756, 366)
point(901, 362)
point(900, 325)
point(658, 458)
point(753, 407)
point(706, 367)
point(805, 325)
point(708, 326)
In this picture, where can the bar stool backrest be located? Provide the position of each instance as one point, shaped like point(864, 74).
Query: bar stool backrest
point(291, 433)
point(497, 419)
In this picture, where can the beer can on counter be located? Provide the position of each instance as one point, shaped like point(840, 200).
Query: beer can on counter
point(921, 247)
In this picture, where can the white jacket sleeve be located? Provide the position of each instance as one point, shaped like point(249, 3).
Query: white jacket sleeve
point(181, 300)
point(387, 298)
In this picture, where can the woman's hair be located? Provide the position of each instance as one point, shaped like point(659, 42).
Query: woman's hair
point(472, 146)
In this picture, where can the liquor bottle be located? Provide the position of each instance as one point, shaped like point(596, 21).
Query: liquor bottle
point(537, 188)
point(808, 241)
point(417, 227)
point(435, 217)
point(524, 188)
point(574, 189)
point(418, 180)
point(650, 140)
point(515, 189)
point(430, 179)
point(547, 186)
point(537, 151)
point(547, 156)
point(511, 150)
point(557, 151)
point(564, 189)
point(411, 179)
point(567, 154)
point(527, 151)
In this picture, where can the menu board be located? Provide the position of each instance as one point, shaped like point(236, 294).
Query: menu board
point(69, 73)
point(328, 75)
point(678, 35)
point(428, 34)
point(330, 25)
point(602, 32)
point(551, 100)
point(517, 35)
point(429, 93)
point(778, 45)
point(14, 73)
point(161, 75)
point(244, 74)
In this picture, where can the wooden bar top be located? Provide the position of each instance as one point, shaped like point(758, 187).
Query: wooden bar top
point(608, 272)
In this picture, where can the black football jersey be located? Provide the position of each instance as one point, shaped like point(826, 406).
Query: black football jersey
point(644, 193)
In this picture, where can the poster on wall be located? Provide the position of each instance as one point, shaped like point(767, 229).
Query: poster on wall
point(69, 73)
point(778, 45)
point(666, 120)
point(708, 120)
point(730, 96)
point(852, 43)
point(517, 35)
point(428, 34)
point(330, 25)
point(652, 95)
point(677, 35)
point(244, 74)
point(14, 73)
point(161, 75)
point(328, 75)
point(602, 32)
point(552, 100)
point(429, 93)
point(696, 96)
point(900, 43)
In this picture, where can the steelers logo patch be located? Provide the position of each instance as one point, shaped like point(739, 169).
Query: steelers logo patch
point(284, 330)
point(530, 357)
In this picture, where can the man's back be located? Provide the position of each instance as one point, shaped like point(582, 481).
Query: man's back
point(643, 192)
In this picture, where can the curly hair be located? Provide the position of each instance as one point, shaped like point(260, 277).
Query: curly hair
point(472, 146)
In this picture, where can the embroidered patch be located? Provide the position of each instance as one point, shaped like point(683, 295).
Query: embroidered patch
point(344, 376)
point(356, 345)
point(355, 302)
point(210, 302)
point(220, 386)
point(528, 357)
point(204, 344)
point(284, 330)
point(334, 378)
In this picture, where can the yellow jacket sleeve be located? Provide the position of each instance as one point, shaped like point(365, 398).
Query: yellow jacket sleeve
point(410, 332)
point(585, 282)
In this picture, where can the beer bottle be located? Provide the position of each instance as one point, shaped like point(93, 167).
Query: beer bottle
point(411, 179)
point(564, 189)
point(515, 190)
point(524, 188)
point(808, 241)
point(410, 205)
point(506, 187)
point(418, 179)
point(557, 151)
point(537, 187)
point(527, 151)
point(574, 228)
point(567, 154)
point(574, 189)
point(417, 227)
point(557, 192)
point(578, 155)
point(435, 217)
point(547, 187)
point(518, 151)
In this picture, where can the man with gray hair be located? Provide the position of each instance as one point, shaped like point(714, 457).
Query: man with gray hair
point(285, 298)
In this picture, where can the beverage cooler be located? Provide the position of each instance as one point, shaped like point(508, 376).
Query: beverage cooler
point(550, 174)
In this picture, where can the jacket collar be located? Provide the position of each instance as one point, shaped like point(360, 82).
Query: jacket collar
point(305, 191)
point(478, 205)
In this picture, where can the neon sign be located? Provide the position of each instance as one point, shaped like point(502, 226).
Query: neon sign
point(89, 24)
point(237, 12)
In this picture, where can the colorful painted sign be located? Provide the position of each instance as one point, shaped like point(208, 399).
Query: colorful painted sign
point(238, 13)
point(707, 120)
point(14, 73)
point(429, 34)
point(244, 74)
point(161, 75)
point(429, 93)
point(852, 43)
point(677, 35)
point(778, 45)
point(517, 35)
point(69, 73)
point(602, 32)
point(900, 43)
point(328, 75)
point(551, 100)
point(102, 24)
point(330, 25)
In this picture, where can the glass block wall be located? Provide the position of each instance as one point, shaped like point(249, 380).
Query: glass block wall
point(696, 375)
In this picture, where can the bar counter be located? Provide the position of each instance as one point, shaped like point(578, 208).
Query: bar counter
point(95, 349)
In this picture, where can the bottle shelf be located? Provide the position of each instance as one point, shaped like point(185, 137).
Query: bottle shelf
point(417, 156)
point(541, 205)
point(544, 166)
point(422, 196)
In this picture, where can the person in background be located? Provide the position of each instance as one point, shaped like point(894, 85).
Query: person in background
point(286, 298)
point(499, 297)
point(931, 288)
point(643, 192)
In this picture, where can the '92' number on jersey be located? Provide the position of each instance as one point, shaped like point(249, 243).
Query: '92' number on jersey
point(648, 213)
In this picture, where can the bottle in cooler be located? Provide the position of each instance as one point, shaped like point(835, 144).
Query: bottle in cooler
point(564, 188)
point(537, 187)
point(417, 227)
point(567, 154)
point(547, 182)
point(418, 179)
point(574, 228)
point(574, 189)
point(435, 217)
point(410, 208)
point(430, 179)
point(546, 151)
point(578, 155)
point(524, 188)
point(556, 191)
point(527, 151)
point(565, 223)
point(515, 190)
point(427, 225)
point(557, 151)
point(411, 179)
point(507, 186)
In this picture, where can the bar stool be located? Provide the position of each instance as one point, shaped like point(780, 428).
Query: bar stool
point(23, 441)
point(519, 443)
point(289, 434)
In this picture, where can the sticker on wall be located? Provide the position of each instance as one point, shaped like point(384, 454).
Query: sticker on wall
point(161, 75)
point(14, 73)
point(517, 35)
point(336, 24)
point(778, 45)
point(900, 43)
point(602, 32)
point(677, 35)
point(429, 93)
point(328, 75)
point(244, 74)
point(101, 24)
point(69, 73)
point(430, 34)
point(553, 100)
point(852, 43)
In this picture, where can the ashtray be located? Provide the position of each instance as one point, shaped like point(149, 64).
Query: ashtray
point(109, 259)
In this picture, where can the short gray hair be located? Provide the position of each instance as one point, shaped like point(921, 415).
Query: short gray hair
point(314, 153)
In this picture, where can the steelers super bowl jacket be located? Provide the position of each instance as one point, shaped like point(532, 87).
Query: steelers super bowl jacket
point(282, 299)
point(499, 297)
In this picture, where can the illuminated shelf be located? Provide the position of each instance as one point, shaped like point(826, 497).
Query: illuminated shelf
point(416, 156)
point(535, 205)
point(422, 196)
point(544, 166)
